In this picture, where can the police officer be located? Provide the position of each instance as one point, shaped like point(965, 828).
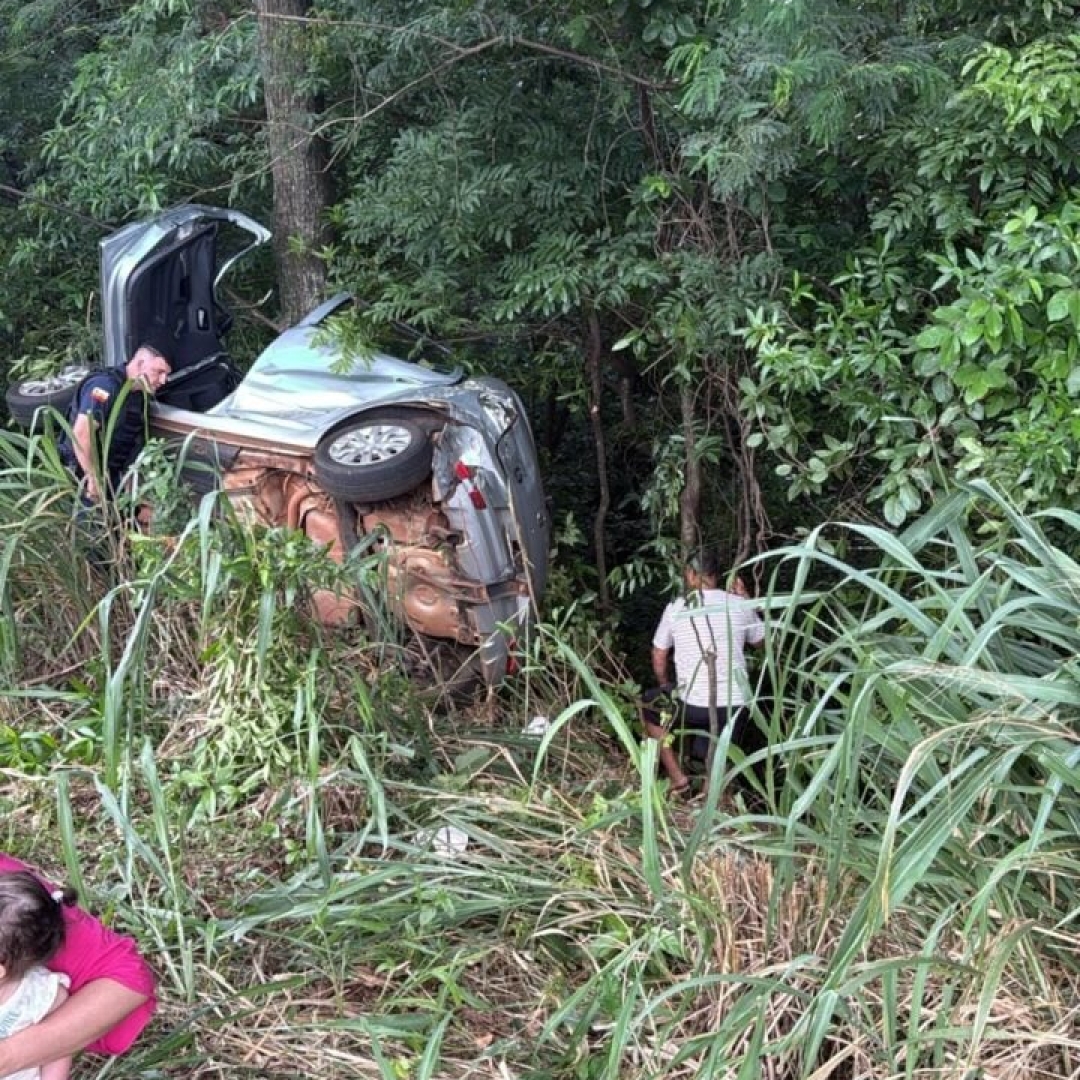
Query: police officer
point(108, 419)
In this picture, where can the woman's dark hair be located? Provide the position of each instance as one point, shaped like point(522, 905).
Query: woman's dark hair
point(31, 922)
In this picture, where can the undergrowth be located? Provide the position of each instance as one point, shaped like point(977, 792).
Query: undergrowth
point(336, 875)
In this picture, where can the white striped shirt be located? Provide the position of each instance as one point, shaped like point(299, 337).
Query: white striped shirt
point(722, 626)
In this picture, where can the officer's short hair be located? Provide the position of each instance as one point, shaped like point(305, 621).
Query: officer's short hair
point(156, 350)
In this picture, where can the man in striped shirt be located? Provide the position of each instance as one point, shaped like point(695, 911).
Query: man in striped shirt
point(707, 631)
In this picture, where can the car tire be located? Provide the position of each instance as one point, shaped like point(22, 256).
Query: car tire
point(373, 459)
point(54, 391)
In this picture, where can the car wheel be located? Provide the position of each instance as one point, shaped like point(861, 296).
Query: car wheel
point(55, 391)
point(373, 459)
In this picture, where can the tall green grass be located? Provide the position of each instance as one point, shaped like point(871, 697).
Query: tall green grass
point(887, 888)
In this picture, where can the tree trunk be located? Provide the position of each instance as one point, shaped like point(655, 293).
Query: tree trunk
point(690, 500)
point(753, 528)
point(625, 368)
point(297, 156)
point(596, 397)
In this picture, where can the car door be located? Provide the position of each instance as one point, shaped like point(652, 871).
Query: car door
point(159, 283)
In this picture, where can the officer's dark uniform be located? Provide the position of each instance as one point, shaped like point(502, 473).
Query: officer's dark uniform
point(119, 435)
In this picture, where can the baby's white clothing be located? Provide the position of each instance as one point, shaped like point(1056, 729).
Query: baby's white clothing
point(31, 1001)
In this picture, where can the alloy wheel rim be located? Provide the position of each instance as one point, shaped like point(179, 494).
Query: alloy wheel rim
point(370, 445)
point(50, 384)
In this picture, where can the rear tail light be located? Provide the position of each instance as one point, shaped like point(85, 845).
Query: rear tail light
point(467, 475)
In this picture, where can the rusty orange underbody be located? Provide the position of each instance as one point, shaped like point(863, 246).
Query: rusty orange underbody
point(278, 489)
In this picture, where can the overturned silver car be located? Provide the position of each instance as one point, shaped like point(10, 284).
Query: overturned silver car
point(438, 468)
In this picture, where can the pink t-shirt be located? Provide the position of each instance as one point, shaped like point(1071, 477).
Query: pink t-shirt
point(92, 951)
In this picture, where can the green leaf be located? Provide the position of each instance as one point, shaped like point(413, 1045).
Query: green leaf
point(1058, 308)
point(1016, 326)
point(933, 337)
point(1074, 308)
point(971, 333)
point(909, 498)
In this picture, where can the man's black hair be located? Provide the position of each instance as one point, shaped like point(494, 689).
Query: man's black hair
point(706, 562)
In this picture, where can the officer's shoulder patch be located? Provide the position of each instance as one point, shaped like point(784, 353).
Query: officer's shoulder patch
point(100, 395)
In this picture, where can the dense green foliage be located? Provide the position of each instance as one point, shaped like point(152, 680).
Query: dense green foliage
point(754, 267)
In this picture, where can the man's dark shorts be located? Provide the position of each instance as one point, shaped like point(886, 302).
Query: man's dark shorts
point(662, 707)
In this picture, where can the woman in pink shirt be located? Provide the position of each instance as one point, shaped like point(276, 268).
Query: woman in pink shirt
point(111, 995)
